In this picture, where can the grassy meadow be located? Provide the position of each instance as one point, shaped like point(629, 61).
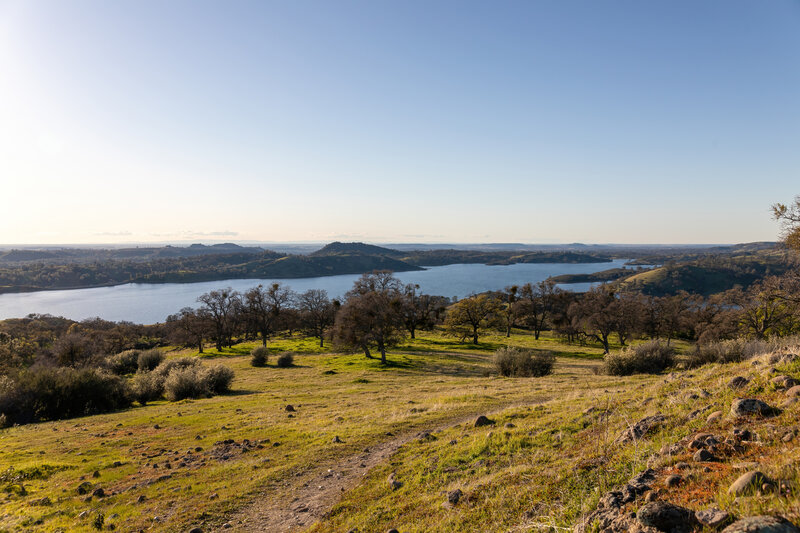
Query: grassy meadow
point(242, 462)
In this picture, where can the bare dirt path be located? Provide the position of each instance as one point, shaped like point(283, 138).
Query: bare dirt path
point(307, 497)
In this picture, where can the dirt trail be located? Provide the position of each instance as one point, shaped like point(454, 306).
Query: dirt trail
point(308, 496)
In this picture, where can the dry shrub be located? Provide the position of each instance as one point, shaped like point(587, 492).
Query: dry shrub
point(516, 362)
point(648, 358)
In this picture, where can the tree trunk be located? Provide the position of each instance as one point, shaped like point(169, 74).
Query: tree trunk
point(475, 336)
point(200, 346)
point(383, 354)
point(263, 340)
point(413, 330)
point(321, 341)
point(366, 351)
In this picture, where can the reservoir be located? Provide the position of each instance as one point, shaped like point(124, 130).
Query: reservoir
point(151, 303)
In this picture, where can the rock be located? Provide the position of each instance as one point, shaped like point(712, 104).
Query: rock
point(509, 425)
point(738, 382)
point(99, 492)
point(703, 456)
point(227, 525)
point(483, 421)
point(393, 530)
point(713, 518)
point(156, 427)
point(42, 501)
point(85, 488)
point(394, 484)
point(141, 498)
point(290, 408)
point(640, 428)
point(793, 391)
point(196, 530)
point(666, 517)
point(713, 417)
point(748, 483)
point(95, 474)
point(426, 436)
point(762, 524)
point(784, 382)
point(337, 440)
point(788, 437)
point(750, 406)
point(453, 496)
point(673, 480)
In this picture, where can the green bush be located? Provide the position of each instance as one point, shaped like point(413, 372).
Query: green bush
point(648, 358)
point(150, 359)
point(285, 360)
point(123, 363)
point(186, 382)
point(516, 362)
point(218, 379)
point(44, 393)
point(147, 387)
point(259, 356)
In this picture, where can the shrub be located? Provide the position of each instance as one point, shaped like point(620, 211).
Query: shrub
point(218, 378)
point(517, 362)
point(285, 360)
point(150, 359)
point(147, 387)
point(729, 351)
point(44, 393)
point(186, 382)
point(259, 356)
point(123, 363)
point(648, 358)
point(166, 368)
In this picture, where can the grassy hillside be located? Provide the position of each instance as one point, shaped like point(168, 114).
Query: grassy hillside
point(246, 461)
point(710, 275)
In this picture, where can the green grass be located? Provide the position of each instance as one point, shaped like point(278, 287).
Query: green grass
point(545, 471)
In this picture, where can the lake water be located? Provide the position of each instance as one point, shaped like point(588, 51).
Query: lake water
point(150, 303)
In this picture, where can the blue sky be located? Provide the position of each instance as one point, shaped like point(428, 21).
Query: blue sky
point(405, 121)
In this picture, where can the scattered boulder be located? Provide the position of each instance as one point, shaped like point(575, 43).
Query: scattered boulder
point(640, 428)
point(85, 488)
point(453, 496)
point(667, 517)
point(673, 481)
point(793, 392)
point(784, 382)
point(739, 382)
point(99, 492)
point(762, 524)
point(42, 501)
point(290, 408)
point(703, 456)
point(483, 421)
point(713, 417)
point(751, 406)
point(337, 440)
point(713, 518)
point(196, 530)
point(749, 483)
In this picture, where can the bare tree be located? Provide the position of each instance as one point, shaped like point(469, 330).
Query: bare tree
point(536, 304)
point(264, 307)
point(317, 312)
point(510, 309)
point(789, 216)
point(189, 327)
point(222, 307)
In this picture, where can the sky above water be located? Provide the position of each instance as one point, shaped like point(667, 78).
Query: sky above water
point(397, 121)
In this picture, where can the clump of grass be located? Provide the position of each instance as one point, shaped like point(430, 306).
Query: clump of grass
point(285, 360)
point(150, 359)
point(518, 362)
point(259, 356)
point(729, 351)
point(648, 358)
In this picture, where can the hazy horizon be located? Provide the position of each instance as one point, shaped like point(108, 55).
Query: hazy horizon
point(440, 122)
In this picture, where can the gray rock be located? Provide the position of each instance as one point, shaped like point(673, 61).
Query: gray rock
point(748, 483)
point(793, 391)
point(290, 408)
point(394, 484)
point(85, 488)
point(713, 518)
point(704, 456)
point(453, 496)
point(673, 480)
point(667, 517)
point(713, 417)
point(738, 382)
point(751, 406)
point(483, 421)
point(99, 492)
point(784, 382)
point(640, 428)
point(762, 524)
